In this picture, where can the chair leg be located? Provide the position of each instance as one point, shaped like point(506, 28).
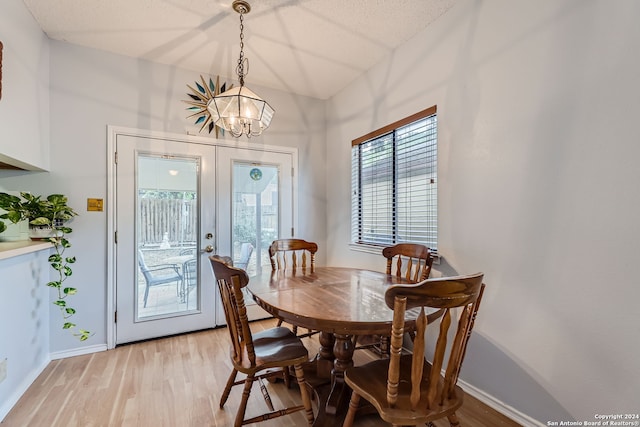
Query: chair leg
point(304, 393)
point(453, 420)
point(186, 294)
point(353, 407)
point(265, 394)
point(146, 294)
point(384, 347)
point(227, 388)
point(285, 377)
point(294, 328)
point(243, 403)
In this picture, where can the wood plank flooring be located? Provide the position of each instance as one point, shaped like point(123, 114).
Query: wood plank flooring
point(172, 382)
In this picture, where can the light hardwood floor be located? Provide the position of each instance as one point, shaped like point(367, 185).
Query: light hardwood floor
point(172, 382)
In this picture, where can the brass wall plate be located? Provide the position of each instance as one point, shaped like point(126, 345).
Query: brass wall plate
point(94, 205)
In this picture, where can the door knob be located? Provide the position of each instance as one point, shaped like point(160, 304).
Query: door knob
point(209, 248)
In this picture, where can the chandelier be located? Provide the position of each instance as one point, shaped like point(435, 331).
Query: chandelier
point(239, 110)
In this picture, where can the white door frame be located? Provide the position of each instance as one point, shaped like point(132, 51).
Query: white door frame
point(112, 134)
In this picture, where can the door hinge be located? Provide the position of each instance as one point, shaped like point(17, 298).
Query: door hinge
point(115, 236)
point(115, 157)
point(292, 232)
point(292, 172)
point(115, 316)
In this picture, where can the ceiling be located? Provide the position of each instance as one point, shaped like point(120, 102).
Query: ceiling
point(308, 47)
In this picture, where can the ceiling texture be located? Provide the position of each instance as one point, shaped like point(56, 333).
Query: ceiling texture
point(307, 47)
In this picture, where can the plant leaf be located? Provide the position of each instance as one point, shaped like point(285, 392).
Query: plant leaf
point(14, 216)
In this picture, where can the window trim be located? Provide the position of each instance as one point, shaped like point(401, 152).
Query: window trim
point(391, 127)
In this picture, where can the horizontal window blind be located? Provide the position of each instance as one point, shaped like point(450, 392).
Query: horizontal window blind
point(394, 185)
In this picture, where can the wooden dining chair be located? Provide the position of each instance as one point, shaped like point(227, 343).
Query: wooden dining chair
point(413, 262)
point(406, 389)
point(264, 354)
point(293, 253)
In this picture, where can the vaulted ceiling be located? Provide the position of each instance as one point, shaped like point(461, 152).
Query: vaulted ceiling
point(308, 47)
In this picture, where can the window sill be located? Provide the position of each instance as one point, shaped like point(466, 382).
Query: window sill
point(377, 250)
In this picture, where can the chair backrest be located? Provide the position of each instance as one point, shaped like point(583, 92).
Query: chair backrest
point(245, 255)
point(225, 259)
point(286, 253)
point(418, 261)
point(143, 266)
point(447, 294)
point(230, 281)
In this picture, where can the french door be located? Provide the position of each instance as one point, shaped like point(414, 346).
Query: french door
point(178, 202)
point(255, 207)
point(165, 225)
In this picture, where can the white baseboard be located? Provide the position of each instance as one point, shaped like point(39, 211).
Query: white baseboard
point(21, 389)
point(500, 406)
point(78, 351)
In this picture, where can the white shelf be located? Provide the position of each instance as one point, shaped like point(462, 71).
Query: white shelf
point(13, 249)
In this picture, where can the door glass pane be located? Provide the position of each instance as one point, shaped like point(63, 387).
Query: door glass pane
point(166, 236)
point(255, 215)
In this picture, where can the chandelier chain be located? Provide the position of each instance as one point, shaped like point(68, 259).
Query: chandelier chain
point(241, 60)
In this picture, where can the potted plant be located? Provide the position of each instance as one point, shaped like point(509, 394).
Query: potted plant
point(47, 218)
point(43, 215)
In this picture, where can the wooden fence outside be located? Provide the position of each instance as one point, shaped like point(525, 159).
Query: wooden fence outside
point(177, 218)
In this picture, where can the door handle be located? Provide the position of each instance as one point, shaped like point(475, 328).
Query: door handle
point(209, 249)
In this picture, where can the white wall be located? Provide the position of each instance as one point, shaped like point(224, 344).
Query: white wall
point(538, 105)
point(24, 107)
point(24, 141)
point(24, 323)
point(92, 89)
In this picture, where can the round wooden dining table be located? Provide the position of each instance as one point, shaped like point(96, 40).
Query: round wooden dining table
point(340, 303)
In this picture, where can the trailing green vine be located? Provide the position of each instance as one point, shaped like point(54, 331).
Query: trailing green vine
point(49, 214)
point(61, 264)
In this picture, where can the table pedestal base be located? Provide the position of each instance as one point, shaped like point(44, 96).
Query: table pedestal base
point(325, 378)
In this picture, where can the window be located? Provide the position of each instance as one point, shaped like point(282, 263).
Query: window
point(394, 183)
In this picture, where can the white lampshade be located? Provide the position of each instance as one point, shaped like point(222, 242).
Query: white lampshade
point(240, 111)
